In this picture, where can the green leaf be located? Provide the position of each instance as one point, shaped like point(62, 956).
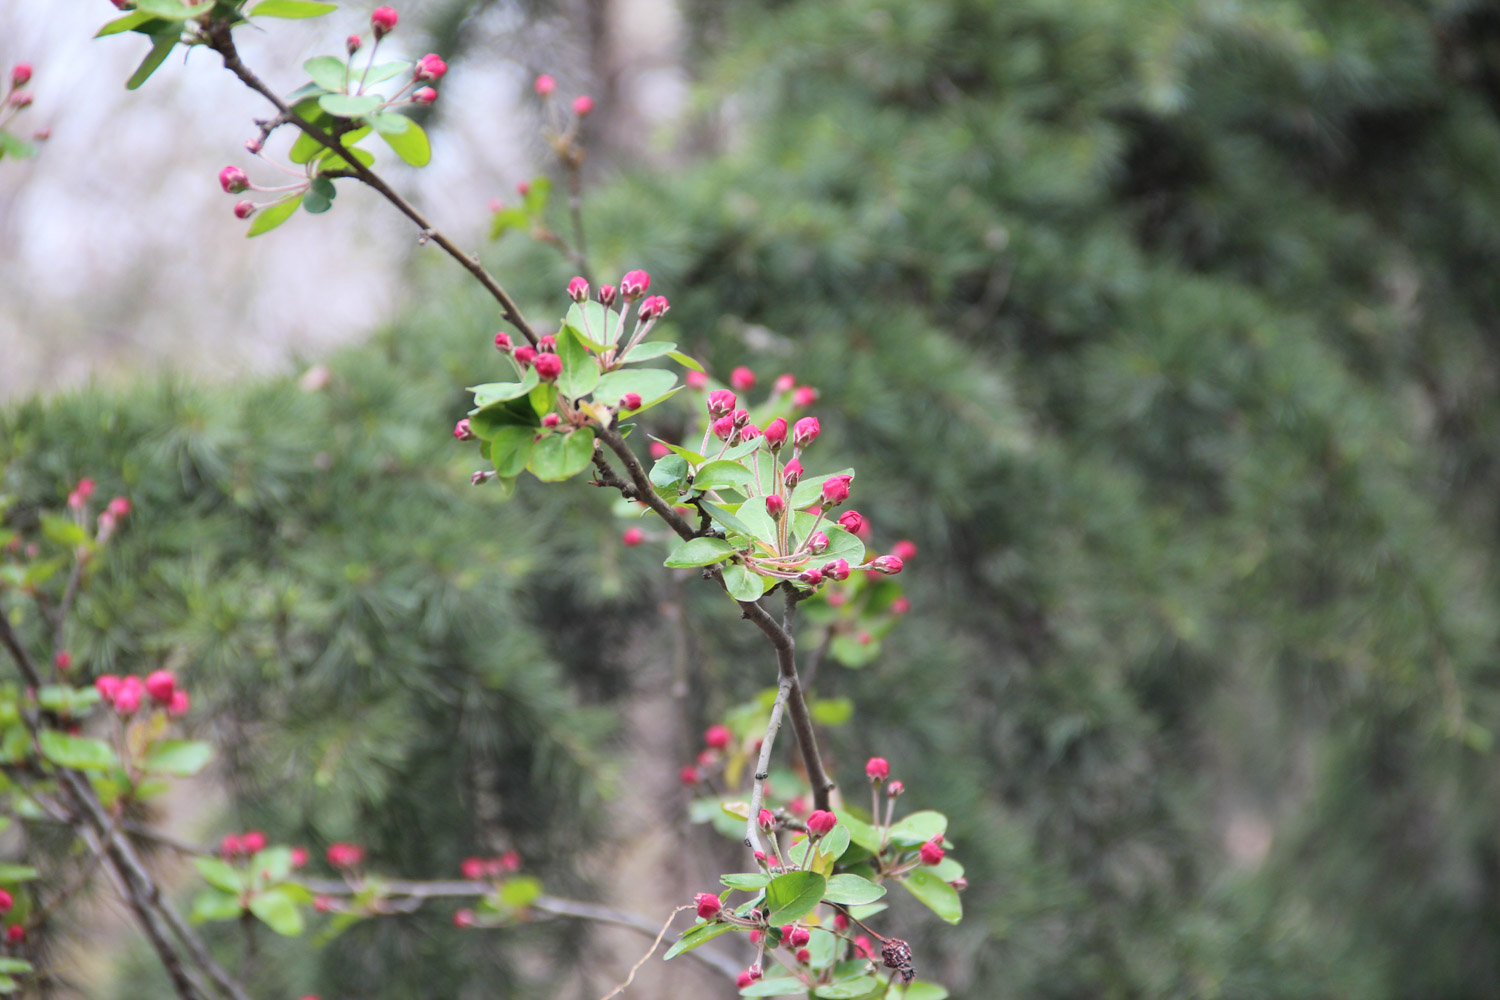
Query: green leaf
point(580, 372)
point(721, 475)
point(520, 891)
point(383, 72)
point(754, 516)
point(831, 848)
point(781, 986)
point(161, 47)
point(329, 161)
point(306, 147)
point(832, 711)
point(273, 864)
point(649, 382)
point(496, 392)
point(389, 123)
point(937, 895)
point(537, 195)
point(810, 490)
point(748, 882)
point(211, 904)
point(328, 72)
point(543, 398)
point(701, 934)
point(699, 552)
point(180, 757)
point(278, 911)
point(319, 197)
point(669, 472)
point(11, 874)
point(510, 450)
point(599, 326)
point(849, 988)
point(725, 518)
point(852, 890)
point(220, 874)
point(268, 219)
point(648, 350)
point(291, 8)
point(561, 456)
point(685, 361)
point(13, 146)
point(173, 10)
point(920, 990)
point(742, 584)
point(63, 531)
point(411, 145)
point(129, 22)
point(860, 832)
point(349, 105)
point(507, 219)
point(794, 895)
point(78, 752)
point(14, 965)
point(919, 827)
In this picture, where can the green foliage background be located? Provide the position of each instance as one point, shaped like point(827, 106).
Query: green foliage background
point(1166, 329)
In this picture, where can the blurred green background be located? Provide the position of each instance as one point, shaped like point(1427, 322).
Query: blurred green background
point(1169, 331)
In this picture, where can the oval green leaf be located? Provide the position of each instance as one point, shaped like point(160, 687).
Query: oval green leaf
point(328, 72)
point(349, 105)
point(220, 874)
point(794, 895)
point(411, 145)
point(389, 123)
point(848, 989)
point(851, 890)
point(701, 934)
point(561, 456)
point(268, 219)
point(937, 895)
point(699, 552)
point(580, 372)
point(180, 757)
point(649, 382)
point(742, 584)
point(919, 827)
point(78, 752)
point(291, 8)
point(781, 986)
point(647, 351)
point(277, 911)
point(721, 474)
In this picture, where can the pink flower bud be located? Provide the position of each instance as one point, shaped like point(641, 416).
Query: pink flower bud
point(811, 577)
point(900, 606)
point(742, 379)
point(344, 855)
point(840, 922)
point(633, 537)
point(749, 432)
point(496, 205)
point(424, 95)
point(21, 98)
point(179, 705)
point(630, 401)
point(889, 565)
point(20, 75)
point(654, 307)
point(461, 430)
point(472, 869)
point(776, 433)
point(547, 344)
point(253, 842)
point(634, 285)
point(756, 935)
point(544, 85)
point(784, 383)
point(863, 948)
point(792, 474)
point(244, 209)
point(805, 396)
point(128, 699)
point(551, 419)
point(582, 105)
point(233, 180)
point(905, 548)
point(837, 570)
point(805, 432)
point(578, 288)
point(695, 380)
point(524, 355)
point(775, 505)
point(607, 294)
point(108, 685)
point(804, 955)
point(463, 918)
point(717, 736)
point(894, 789)
point(877, 769)
point(724, 427)
point(548, 366)
point(766, 819)
point(743, 979)
point(523, 188)
point(658, 450)
point(709, 905)
point(6, 901)
point(63, 660)
point(688, 775)
point(959, 884)
point(85, 487)
point(836, 490)
point(352, 44)
point(720, 402)
point(502, 342)
point(430, 67)
point(119, 507)
point(383, 19)
point(299, 857)
point(852, 521)
point(230, 846)
point(932, 852)
point(741, 418)
point(796, 936)
point(161, 685)
point(510, 861)
point(820, 821)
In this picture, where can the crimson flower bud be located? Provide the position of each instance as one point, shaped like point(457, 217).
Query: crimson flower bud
point(658, 450)
point(15, 933)
point(254, 146)
point(607, 294)
point(85, 487)
point(775, 504)
point(863, 948)
point(352, 44)
point(837, 570)
point(118, 507)
point(578, 288)
point(853, 521)
point(6, 901)
point(717, 736)
point(523, 188)
point(877, 769)
point(582, 105)
point(695, 380)
point(472, 869)
point(20, 75)
point(905, 548)
point(253, 842)
point(322, 904)
point(21, 98)
point(836, 490)
point(548, 366)
point(760, 856)
point(959, 884)
point(424, 95)
point(633, 537)
point(547, 344)
point(383, 19)
point(524, 355)
point(461, 430)
point(244, 209)
point(805, 396)
point(900, 606)
point(551, 419)
point(160, 685)
point(108, 685)
point(889, 565)
point(233, 180)
point(430, 67)
point(805, 432)
point(688, 775)
point(344, 855)
point(756, 935)
point(792, 474)
point(63, 660)
point(634, 285)
point(804, 955)
point(299, 857)
point(630, 401)
point(654, 307)
point(932, 852)
point(743, 979)
point(128, 698)
point(797, 937)
point(720, 402)
point(509, 861)
point(811, 577)
point(502, 342)
point(179, 705)
point(709, 905)
point(544, 85)
point(776, 433)
point(749, 432)
point(820, 821)
point(463, 918)
point(840, 922)
point(724, 427)
point(818, 543)
point(230, 845)
point(767, 819)
point(741, 418)
point(784, 383)
point(742, 379)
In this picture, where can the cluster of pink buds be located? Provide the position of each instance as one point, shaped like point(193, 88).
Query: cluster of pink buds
point(545, 86)
point(932, 851)
point(20, 76)
point(127, 694)
point(78, 498)
point(479, 869)
point(345, 855)
point(716, 741)
point(243, 845)
point(748, 976)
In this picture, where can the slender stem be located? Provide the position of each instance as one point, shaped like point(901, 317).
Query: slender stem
point(763, 764)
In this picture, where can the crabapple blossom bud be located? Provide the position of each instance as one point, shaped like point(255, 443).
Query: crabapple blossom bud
point(776, 433)
point(630, 401)
point(654, 307)
point(756, 935)
point(430, 67)
point(523, 188)
point(905, 548)
point(254, 145)
point(582, 105)
point(383, 19)
point(524, 355)
point(877, 769)
point(230, 845)
point(179, 705)
point(658, 450)
point(502, 342)
point(784, 383)
point(63, 660)
point(741, 418)
point(607, 294)
point(743, 979)
point(853, 521)
point(424, 95)
point(894, 789)
point(548, 366)
point(805, 432)
point(724, 427)
point(15, 933)
point(749, 432)
point(299, 857)
point(820, 821)
point(889, 565)
point(21, 99)
point(959, 884)
point(344, 855)
point(510, 861)
point(463, 918)
point(717, 736)
point(20, 75)
point(6, 901)
point(720, 402)
point(804, 955)
point(322, 904)
point(160, 685)
point(840, 922)
point(633, 537)
point(767, 819)
point(932, 852)
point(544, 85)
point(836, 490)
point(108, 685)
point(352, 44)
point(495, 205)
point(798, 806)
point(863, 948)
point(547, 345)
point(688, 775)
point(118, 507)
point(461, 430)
point(837, 570)
point(792, 474)
point(253, 842)
point(708, 904)
point(551, 419)
point(578, 288)
point(128, 698)
point(805, 396)
point(634, 285)
point(796, 936)
point(244, 209)
point(742, 379)
point(775, 504)
point(818, 543)
point(760, 856)
point(811, 577)
point(472, 869)
point(233, 180)
point(900, 606)
point(695, 380)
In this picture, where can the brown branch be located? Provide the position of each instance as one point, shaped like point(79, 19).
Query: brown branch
point(221, 41)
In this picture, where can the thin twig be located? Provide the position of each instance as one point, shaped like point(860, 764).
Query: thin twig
point(643, 959)
point(763, 765)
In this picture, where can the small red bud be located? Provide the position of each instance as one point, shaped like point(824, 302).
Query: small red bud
point(863, 948)
point(424, 95)
point(15, 933)
point(352, 44)
point(607, 294)
point(767, 819)
point(890, 565)
point(720, 402)
point(253, 842)
point(708, 904)
point(783, 384)
point(695, 380)
point(742, 379)
point(688, 775)
point(582, 105)
point(322, 904)
point(775, 505)
point(633, 537)
point(551, 419)
point(804, 956)
point(900, 606)
point(905, 548)
point(161, 685)
point(811, 577)
point(510, 861)
point(461, 430)
point(430, 67)
point(654, 307)
point(840, 922)
point(960, 884)
point(524, 355)
point(254, 145)
point(820, 821)
point(818, 543)
point(776, 433)
point(299, 857)
point(233, 180)
point(128, 698)
point(63, 660)
point(20, 75)
point(717, 736)
point(463, 918)
point(806, 432)
point(21, 98)
point(852, 521)
point(502, 342)
point(578, 289)
point(548, 366)
point(344, 855)
point(634, 284)
point(932, 851)
point(179, 705)
point(383, 19)
point(659, 451)
point(544, 85)
point(877, 769)
point(230, 846)
point(6, 901)
point(548, 344)
point(837, 570)
point(724, 427)
point(244, 209)
point(630, 401)
point(472, 869)
point(805, 396)
point(836, 490)
point(108, 685)
point(792, 474)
